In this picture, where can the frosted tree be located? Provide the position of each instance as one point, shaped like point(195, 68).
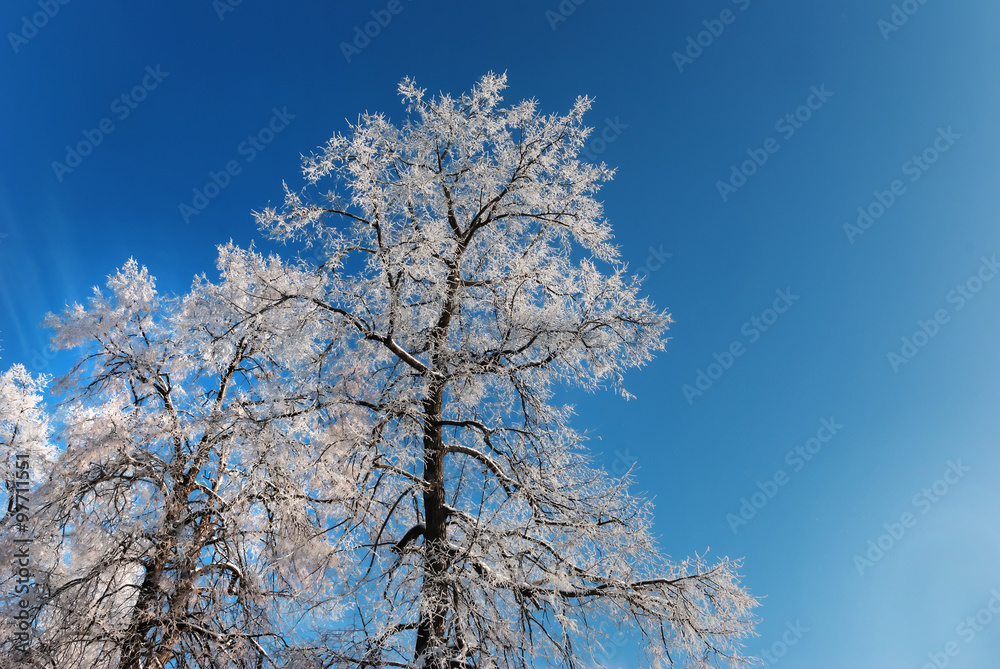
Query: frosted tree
point(25, 456)
point(178, 526)
point(467, 273)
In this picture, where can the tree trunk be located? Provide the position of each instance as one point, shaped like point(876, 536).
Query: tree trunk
point(136, 649)
point(431, 640)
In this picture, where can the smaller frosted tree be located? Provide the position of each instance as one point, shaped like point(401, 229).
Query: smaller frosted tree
point(25, 457)
point(468, 272)
point(179, 526)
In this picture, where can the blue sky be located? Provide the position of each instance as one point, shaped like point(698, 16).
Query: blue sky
point(869, 98)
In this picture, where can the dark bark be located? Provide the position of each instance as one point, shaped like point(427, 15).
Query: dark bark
point(434, 596)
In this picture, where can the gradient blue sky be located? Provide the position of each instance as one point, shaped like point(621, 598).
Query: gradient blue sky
point(678, 134)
